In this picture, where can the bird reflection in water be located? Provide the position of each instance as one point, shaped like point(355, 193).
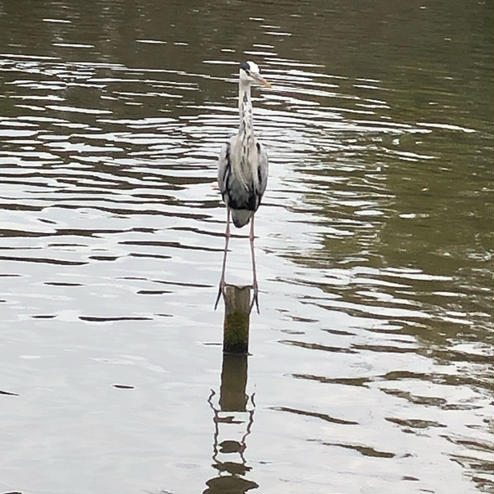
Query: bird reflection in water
point(233, 420)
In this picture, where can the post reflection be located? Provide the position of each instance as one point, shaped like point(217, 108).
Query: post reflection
point(233, 421)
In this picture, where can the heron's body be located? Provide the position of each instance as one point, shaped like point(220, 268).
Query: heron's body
point(243, 168)
point(242, 176)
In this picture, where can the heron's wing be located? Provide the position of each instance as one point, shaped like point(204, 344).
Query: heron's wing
point(262, 169)
point(223, 167)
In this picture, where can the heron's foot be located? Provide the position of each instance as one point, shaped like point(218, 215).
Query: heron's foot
point(255, 297)
point(221, 291)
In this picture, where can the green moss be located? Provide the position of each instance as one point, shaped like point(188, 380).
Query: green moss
point(236, 333)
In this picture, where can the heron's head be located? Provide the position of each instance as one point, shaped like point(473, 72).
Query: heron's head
point(249, 73)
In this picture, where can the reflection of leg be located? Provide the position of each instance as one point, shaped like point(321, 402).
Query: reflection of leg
point(221, 288)
point(216, 427)
point(249, 427)
point(255, 299)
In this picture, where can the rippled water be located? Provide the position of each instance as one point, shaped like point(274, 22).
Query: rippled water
point(371, 361)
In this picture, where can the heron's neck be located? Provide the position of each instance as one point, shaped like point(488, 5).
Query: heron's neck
point(245, 108)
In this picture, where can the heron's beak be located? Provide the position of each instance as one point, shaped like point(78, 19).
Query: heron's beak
point(260, 80)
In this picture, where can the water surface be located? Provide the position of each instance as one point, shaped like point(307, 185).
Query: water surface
point(371, 361)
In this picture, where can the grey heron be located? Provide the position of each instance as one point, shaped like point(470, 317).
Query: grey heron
point(243, 172)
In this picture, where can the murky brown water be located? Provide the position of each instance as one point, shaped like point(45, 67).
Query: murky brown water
point(371, 366)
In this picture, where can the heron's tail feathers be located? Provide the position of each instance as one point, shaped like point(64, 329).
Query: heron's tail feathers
point(241, 217)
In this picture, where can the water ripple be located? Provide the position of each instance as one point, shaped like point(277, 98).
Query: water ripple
point(373, 240)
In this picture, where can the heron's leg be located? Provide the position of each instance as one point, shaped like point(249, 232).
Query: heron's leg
point(221, 288)
point(255, 299)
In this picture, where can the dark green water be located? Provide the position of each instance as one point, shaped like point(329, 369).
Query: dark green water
point(371, 361)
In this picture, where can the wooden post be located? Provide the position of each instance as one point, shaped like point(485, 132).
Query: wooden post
point(236, 324)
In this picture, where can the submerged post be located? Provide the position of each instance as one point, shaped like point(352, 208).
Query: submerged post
point(236, 323)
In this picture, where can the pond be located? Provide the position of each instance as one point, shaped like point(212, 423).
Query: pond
point(370, 366)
